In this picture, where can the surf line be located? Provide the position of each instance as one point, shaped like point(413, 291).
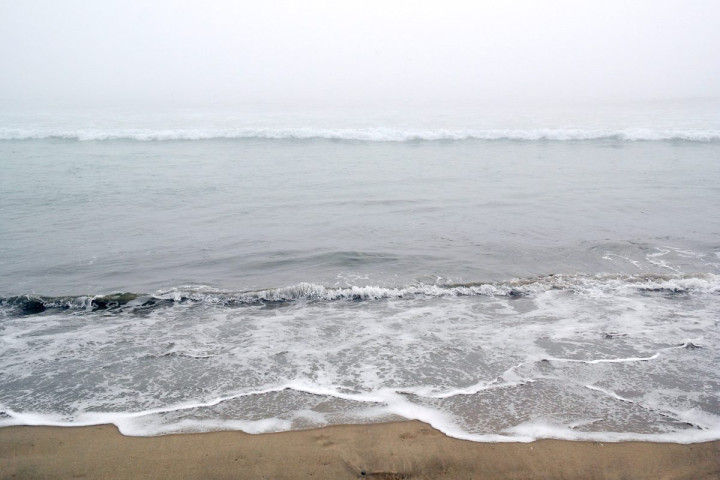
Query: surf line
point(605, 360)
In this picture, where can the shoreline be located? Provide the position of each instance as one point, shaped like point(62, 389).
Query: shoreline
point(397, 450)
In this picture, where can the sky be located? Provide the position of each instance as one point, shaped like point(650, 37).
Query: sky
point(190, 53)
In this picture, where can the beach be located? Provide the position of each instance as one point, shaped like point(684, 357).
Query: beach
point(383, 451)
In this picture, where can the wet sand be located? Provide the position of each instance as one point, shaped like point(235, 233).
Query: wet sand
point(381, 451)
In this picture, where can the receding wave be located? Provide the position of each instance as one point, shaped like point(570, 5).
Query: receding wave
point(378, 134)
point(605, 284)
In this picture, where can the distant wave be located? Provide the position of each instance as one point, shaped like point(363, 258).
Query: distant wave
point(589, 284)
point(362, 134)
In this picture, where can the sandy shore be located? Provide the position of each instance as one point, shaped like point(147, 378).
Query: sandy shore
point(385, 451)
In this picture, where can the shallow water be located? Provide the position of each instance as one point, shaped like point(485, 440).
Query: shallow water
point(513, 288)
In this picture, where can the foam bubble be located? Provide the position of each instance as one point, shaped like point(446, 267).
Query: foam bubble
point(627, 356)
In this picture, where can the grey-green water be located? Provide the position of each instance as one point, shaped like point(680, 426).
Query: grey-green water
point(506, 286)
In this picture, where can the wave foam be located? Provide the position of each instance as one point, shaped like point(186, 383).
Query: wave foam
point(378, 134)
point(390, 402)
point(585, 284)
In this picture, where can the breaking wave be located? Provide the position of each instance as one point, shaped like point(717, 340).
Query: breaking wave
point(362, 134)
point(605, 284)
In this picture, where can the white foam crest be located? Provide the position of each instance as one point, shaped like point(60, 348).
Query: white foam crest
point(146, 422)
point(709, 283)
point(588, 284)
point(121, 418)
point(507, 379)
point(693, 417)
point(369, 134)
point(592, 285)
point(542, 428)
point(379, 396)
point(606, 360)
point(429, 392)
point(609, 393)
point(311, 291)
point(98, 418)
point(386, 402)
point(152, 426)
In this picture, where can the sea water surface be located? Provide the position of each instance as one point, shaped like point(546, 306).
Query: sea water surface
point(502, 277)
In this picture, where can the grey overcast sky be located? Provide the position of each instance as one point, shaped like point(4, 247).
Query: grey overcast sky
point(67, 52)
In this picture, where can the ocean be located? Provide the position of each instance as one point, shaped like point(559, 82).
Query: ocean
point(503, 274)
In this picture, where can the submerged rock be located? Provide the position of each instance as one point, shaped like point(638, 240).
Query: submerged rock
point(32, 306)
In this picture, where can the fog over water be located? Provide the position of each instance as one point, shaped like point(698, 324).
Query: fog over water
point(321, 53)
